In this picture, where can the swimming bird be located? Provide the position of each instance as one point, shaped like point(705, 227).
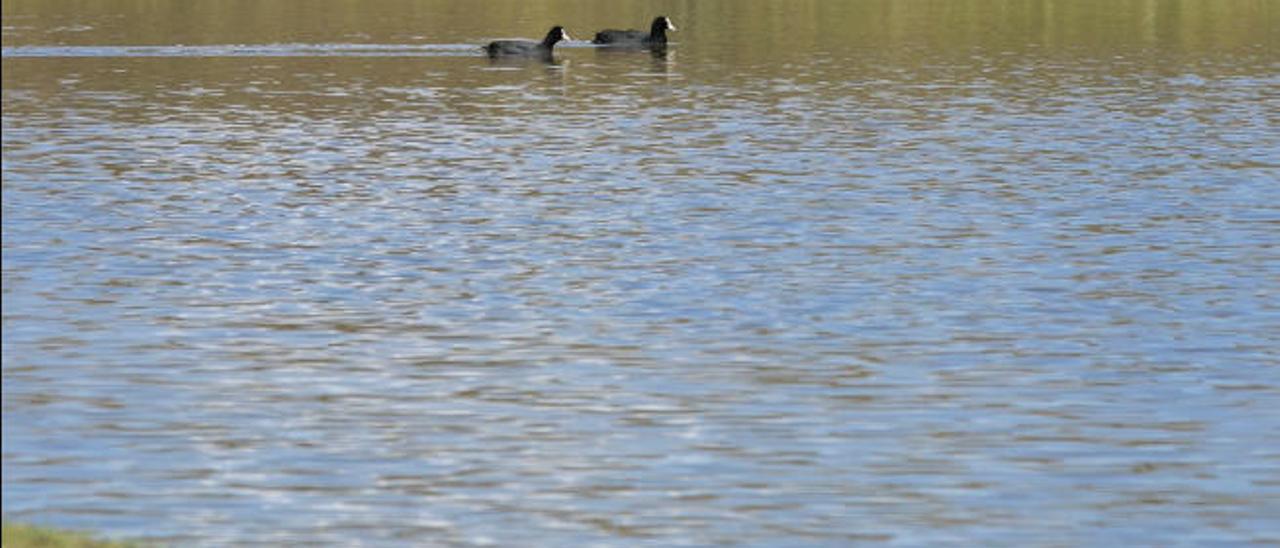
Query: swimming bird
point(657, 35)
point(527, 48)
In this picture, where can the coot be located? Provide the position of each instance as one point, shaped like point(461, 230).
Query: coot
point(657, 35)
point(527, 48)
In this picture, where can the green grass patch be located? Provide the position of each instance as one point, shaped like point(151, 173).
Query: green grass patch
point(18, 535)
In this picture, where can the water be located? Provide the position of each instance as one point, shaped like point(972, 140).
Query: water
point(973, 272)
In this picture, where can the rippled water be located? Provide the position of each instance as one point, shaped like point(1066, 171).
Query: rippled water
point(912, 282)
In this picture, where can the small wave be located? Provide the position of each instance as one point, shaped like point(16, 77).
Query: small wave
point(246, 50)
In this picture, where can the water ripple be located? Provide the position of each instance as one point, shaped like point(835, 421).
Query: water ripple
point(405, 295)
point(246, 50)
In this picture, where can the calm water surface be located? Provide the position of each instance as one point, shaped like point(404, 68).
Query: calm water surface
point(990, 272)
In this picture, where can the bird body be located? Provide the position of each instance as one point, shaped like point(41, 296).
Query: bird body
point(527, 48)
point(657, 35)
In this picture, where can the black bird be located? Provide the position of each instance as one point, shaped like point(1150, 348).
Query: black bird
point(657, 35)
point(527, 48)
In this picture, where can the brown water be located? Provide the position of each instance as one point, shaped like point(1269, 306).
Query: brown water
point(914, 272)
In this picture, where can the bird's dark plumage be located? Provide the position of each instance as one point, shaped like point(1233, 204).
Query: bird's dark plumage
point(657, 35)
point(527, 48)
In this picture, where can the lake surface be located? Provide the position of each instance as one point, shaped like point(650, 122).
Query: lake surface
point(826, 273)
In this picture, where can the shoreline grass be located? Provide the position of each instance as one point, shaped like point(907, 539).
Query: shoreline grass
point(22, 535)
